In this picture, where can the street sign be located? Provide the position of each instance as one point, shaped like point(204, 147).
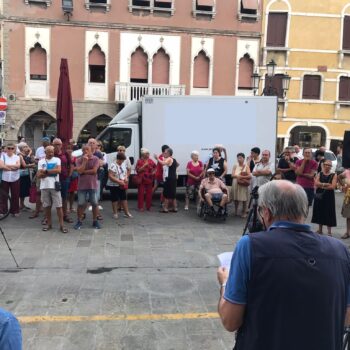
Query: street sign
point(3, 103)
point(2, 117)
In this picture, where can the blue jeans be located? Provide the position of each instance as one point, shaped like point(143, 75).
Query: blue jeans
point(64, 188)
point(85, 196)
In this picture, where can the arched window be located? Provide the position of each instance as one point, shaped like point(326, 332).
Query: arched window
point(97, 65)
point(246, 68)
point(139, 66)
point(38, 63)
point(160, 67)
point(201, 70)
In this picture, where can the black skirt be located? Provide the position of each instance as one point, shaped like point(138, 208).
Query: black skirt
point(24, 186)
point(169, 191)
point(324, 209)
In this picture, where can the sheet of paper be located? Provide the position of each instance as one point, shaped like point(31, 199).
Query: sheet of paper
point(225, 259)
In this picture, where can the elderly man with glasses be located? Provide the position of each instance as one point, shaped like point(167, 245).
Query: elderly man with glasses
point(263, 170)
point(287, 287)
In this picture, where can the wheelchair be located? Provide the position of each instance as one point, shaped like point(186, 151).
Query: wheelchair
point(205, 211)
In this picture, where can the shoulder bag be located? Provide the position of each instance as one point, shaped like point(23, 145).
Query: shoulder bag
point(319, 195)
point(244, 182)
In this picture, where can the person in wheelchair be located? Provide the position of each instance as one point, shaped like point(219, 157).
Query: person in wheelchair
point(212, 190)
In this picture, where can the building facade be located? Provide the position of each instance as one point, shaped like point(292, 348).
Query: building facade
point(119, 50)
point(310, 41)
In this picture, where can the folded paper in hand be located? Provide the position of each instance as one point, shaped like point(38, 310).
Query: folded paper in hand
point(225, 259)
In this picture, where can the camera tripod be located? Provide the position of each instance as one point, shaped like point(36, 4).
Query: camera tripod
point(8, 246)
point(253, 224)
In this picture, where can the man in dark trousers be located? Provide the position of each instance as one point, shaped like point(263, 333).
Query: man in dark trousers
point(287, 287)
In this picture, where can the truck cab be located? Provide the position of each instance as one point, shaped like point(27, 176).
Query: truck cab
point(123, 130)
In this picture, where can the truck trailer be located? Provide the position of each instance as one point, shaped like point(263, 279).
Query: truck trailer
point(188, 123)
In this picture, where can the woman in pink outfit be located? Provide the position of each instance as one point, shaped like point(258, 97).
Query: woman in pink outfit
point(145, 168)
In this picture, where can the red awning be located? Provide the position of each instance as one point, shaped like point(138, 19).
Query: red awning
point(250, 4)
point(205, 3)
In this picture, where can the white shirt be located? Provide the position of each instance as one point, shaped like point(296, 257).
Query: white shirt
point(40, 153)
point(48, 182)
point(118, 171)
point(261, 180)
point(10, 175)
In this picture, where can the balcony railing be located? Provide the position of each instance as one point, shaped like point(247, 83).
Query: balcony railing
point(125, 92)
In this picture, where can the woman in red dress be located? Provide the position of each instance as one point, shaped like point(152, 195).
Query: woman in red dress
point(145, 169)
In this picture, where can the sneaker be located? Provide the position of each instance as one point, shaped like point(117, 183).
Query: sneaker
point(115, 216)
point(96, 225)
point(90, 208)
point(100, 207)
point(128, 215)
point(186, 207)
point(78, 225)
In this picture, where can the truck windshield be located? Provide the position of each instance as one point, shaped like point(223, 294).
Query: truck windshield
point(111, 138)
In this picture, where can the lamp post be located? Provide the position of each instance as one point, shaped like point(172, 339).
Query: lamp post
point(269, 89)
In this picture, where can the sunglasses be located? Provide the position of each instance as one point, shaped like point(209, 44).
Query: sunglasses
point(10, 148)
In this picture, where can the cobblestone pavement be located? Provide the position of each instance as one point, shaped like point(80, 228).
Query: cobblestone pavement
point(143, 283)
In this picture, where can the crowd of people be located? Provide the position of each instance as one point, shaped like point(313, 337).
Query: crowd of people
point(53, 177)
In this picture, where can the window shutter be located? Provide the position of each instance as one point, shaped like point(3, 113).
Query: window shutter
point(250, 4)
point(344, 89)
point(205, 3)
point(139, 65)
point(38, 65)
point(97, 57)
point(160, 68)
point(276, 29)
point(346, 33)
point(246, 67)
point(201, 71)
point(312, 87)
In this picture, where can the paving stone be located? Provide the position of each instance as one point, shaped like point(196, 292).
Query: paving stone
point(151, 264)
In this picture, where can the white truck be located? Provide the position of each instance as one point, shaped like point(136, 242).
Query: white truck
point(188, 123)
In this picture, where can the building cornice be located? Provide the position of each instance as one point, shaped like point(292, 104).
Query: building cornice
point(128, 27)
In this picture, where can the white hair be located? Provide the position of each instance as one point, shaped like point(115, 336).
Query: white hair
point(194, 153)
point(145, 151)
point(284, 200)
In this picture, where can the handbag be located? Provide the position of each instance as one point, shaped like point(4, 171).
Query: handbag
point(58, 186)
point(243, 182)
point(33, 193)
point(136, 180)
point(319, 195)
point(124, 187)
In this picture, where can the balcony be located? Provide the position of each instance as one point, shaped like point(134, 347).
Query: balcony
point(125, 92)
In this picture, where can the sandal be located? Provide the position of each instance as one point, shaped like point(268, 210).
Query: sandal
point(345, 236)
point(68, 219)
point(63, 229)
point(99, 217)
point(33, 216)
point(164, 211)
point(47, 228)
point(44, 221)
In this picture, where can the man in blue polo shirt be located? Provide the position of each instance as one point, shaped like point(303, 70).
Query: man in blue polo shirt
point(10, 332)
point(287, 288)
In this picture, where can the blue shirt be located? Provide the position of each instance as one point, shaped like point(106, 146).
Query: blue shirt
point(236, 290)
point(10, 332)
